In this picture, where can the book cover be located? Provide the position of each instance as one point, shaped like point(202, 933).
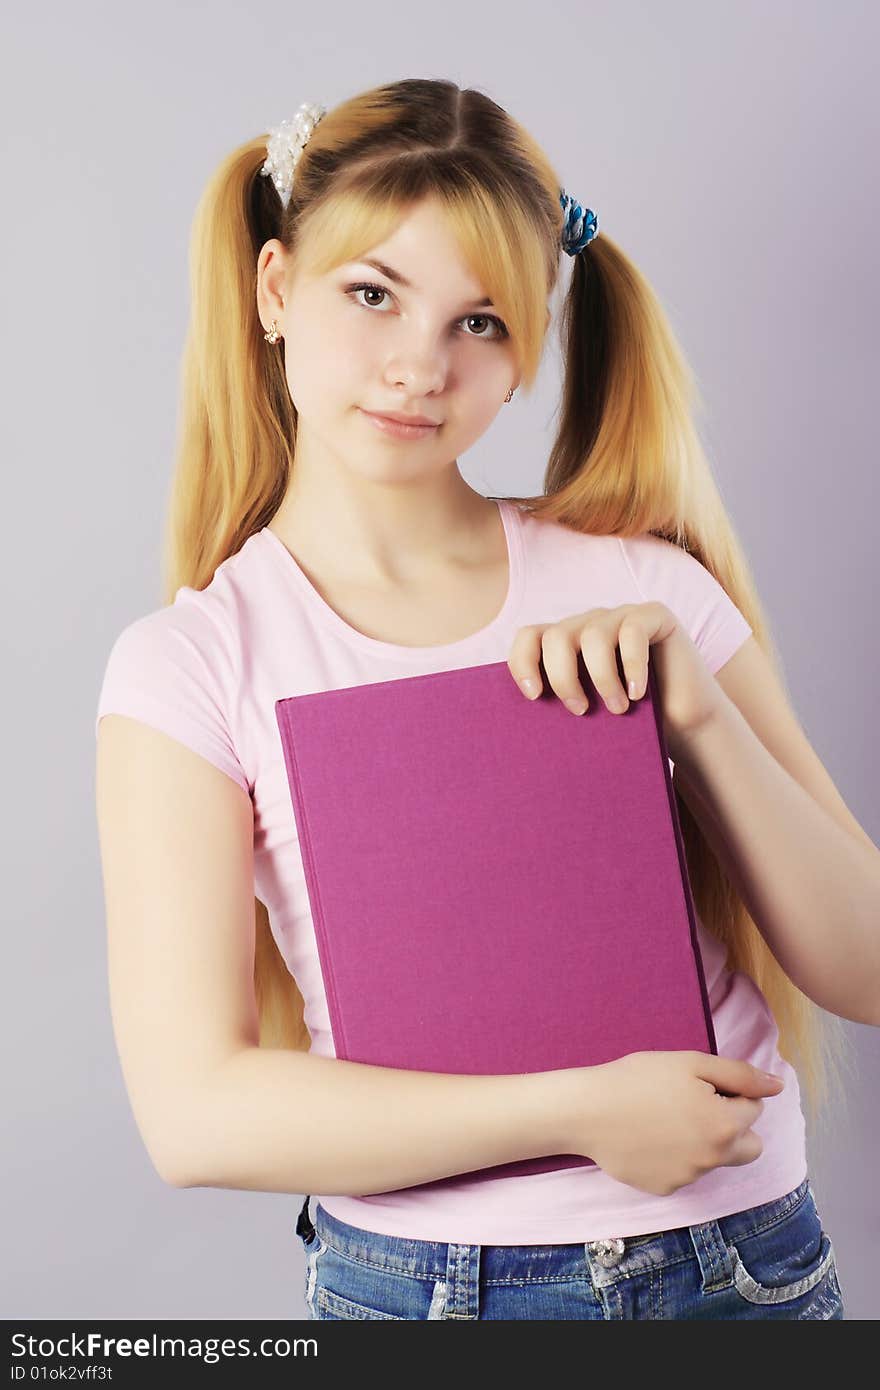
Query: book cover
point(497, 886)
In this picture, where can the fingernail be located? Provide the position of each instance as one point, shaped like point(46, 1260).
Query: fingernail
point(633, 690)
point(576, 706)
point(771, 1076)
point(529, 687)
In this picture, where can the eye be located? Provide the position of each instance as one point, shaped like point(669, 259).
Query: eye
point(500, 326)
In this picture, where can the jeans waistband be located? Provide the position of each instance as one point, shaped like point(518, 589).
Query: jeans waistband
point(430, 1258)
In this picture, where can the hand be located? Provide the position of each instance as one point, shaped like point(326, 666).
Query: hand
point(659, 1120)
point(689, 694)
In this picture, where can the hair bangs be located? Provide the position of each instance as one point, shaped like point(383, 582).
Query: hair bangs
point(501, 246)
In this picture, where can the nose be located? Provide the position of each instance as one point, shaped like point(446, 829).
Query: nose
point(421, 370)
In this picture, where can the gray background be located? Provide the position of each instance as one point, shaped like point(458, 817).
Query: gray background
point(726, 147)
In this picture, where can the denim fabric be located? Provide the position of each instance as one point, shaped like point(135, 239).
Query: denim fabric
point(770, 1261)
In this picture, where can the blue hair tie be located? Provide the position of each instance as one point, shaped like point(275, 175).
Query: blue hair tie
point(581, 224)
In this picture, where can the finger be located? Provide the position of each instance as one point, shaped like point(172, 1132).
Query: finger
point(560, 651)
point(524, 660)
point(634, 644)
point(599, 646)
point(744, 1149)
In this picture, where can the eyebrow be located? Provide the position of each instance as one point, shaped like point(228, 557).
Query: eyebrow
point(398, 279)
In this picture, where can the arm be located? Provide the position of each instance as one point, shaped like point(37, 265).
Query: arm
point(809, 876)
point(213, 1108)
point(282, 1121)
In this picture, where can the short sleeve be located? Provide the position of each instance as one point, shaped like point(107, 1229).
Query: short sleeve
point(666, 573)
point(166, 670)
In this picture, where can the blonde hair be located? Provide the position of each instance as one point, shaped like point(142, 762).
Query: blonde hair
point(626, 458)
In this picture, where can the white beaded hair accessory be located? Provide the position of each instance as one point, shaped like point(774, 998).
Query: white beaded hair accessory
point(285, 145)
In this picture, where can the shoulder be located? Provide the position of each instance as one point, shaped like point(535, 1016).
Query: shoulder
point(548, 539)
point(659, 566)
point(187, 640)
point(649, 556)
point(648, 560)
point(179, 667)
point(199, 625)
point(664, 571)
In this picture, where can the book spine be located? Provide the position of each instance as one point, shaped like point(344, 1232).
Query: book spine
point(322, 936)
point(682, 859)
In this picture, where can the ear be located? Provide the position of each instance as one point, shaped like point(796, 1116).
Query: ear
point(272, 268)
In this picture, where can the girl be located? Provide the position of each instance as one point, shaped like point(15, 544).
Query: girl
point(369, 286)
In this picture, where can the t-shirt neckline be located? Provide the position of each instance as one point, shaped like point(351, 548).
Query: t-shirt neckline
point(512, 521)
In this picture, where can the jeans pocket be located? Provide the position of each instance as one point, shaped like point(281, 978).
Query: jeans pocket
point(344, 1288)
point(786, 1259)
point(339, 1286)
point(338, 1307)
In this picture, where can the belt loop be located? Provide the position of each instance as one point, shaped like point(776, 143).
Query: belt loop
point(713, 1255)
point(463, 1281)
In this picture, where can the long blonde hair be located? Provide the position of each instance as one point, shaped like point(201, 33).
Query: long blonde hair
point(626, 458)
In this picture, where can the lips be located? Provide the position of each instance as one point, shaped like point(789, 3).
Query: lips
point(403, 419)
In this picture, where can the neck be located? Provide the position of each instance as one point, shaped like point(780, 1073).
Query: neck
point(378, 533)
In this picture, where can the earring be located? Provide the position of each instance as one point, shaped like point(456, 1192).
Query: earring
point(509, 396)
point(273, 335)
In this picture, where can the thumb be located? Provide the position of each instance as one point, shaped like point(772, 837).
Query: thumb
point(732, 1076)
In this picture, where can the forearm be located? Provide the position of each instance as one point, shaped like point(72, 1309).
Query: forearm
point(812, 888)
point(284, 1121)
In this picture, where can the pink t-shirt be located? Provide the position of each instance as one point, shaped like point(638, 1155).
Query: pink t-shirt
point(207, 670)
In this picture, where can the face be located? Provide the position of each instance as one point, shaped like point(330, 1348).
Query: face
point(430, 348)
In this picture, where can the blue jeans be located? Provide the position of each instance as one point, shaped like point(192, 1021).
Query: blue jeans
point(770, 1261)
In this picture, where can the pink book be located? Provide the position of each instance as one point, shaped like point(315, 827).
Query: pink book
point(496, 885)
